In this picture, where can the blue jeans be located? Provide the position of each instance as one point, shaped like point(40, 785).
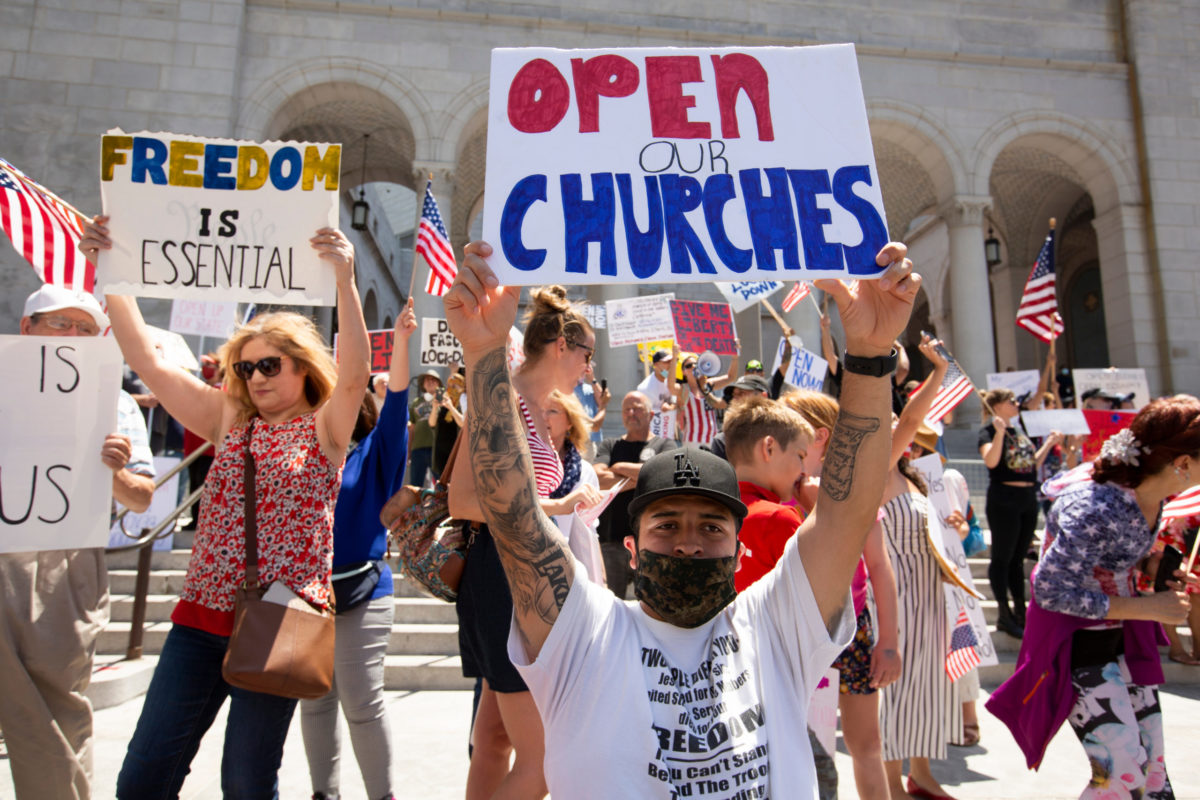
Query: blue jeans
point(185, 694)
point(420, 461)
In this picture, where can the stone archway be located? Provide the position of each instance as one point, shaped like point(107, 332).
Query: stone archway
point(470, 170)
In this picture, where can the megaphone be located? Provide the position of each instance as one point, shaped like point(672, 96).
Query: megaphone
point(708, 364)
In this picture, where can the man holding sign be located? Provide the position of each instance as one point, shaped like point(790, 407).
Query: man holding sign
point(53, 603)
point(718, 666)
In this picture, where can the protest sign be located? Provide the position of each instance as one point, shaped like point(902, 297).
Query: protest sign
point(60, 402)
point(949, 552)
point(161, 505)
point(703, 326)
point(806, 370)
point(639, 319)
point(203, 318)
point(646, 350)
point(743, 294)
point(381, 349)
point(663, 424)
point(823, 710)
point(217, 219)
point(597, 315)
point(438, 345)
point(1103, 424)
point(680, 165)
point(1067, 421)
point(174, 348)
point(1020, 381)
point(1113, 381)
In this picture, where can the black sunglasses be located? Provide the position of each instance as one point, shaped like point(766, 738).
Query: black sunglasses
point(587, 350)
point(269, 367)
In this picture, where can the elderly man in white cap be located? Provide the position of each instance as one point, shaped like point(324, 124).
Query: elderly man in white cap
point(53, 603)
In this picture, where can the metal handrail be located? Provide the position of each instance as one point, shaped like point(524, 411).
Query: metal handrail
point(144, 544)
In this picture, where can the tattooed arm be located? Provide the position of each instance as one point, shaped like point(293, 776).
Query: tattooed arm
point(856, 459)
point(537, 563)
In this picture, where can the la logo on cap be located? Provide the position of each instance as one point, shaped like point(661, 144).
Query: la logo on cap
point(686, 473)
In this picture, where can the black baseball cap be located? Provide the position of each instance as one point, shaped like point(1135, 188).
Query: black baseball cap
point(661, 355)
point(753, 383)
point(688, 470)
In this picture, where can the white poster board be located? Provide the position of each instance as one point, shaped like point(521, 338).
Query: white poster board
point(931, 470)
point(823, 711)
point(806, 370)
point(217, 219)
point(174, 348)
point(60, 402)
point(1020, 381)
point(213, 318)
point(439, 346)
point(640, 319)
point(1114, 381)
point(743, 294)
point(663, 424)
point(165, 498)
point(1067, 421)
point(680, 165)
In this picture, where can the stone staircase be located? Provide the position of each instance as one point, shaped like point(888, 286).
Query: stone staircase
point(423, 648)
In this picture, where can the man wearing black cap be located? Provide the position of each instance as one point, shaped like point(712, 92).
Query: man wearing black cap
point(691, 690)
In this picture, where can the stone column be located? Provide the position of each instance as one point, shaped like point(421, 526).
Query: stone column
point(425, 304)
point(971, 318)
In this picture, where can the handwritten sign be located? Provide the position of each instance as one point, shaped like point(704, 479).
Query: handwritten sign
point(951, 557)
point(1102, 425)
point(663, 424)
point(438, 345)
point(597, 315)
point(1114, 381)
point(203, 317)
point(823, 711)
point(1020, 381)
point(646, 350)
point(161, 505)
point(639, 319)
point(806, 370)
point(60, 402)
point(680, 165)
point(217, 219)
point(381, 349)
point(1067, 421)
point(743, 294)
point(703, 326)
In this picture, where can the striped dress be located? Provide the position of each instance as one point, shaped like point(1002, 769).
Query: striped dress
point(915, 714)
point(701, 421)
point(547, 467)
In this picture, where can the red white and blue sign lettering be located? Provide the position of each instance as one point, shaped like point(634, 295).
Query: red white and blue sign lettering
point(680, 165)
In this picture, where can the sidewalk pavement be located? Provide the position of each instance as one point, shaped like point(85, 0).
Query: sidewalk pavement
point(430, 737)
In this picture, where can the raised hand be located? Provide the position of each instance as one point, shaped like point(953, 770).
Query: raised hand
point(333, 246)
point(479, 310)
point(406, 323)
point(95, 237)
point(875, 312)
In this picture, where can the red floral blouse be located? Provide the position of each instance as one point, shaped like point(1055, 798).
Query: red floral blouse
point(296, 487)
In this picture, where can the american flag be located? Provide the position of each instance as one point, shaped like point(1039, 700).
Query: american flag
point(800, 290)
point(434, 244)
point(44, 229)
point(956, 386)
point(963, 656)
point(1185, 504)
point(1038, 312)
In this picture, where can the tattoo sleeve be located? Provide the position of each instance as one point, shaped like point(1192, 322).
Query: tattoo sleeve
point(837, 474)
point(536, 561)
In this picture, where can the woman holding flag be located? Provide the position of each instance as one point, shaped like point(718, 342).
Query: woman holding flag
point(1090, 653)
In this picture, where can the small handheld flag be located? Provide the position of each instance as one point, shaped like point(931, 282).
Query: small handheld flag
point(1038, 312)
point(434, 245)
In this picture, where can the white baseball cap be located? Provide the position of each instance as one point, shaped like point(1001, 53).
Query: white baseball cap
point(56, 298)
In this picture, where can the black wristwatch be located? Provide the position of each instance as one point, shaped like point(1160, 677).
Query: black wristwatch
point(875, 367)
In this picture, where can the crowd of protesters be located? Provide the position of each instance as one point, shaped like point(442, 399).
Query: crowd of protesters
point(775, 533)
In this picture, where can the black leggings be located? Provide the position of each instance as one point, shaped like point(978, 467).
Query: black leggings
point(1012, 513)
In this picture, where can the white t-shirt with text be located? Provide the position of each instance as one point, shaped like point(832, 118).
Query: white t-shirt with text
point(636, 707)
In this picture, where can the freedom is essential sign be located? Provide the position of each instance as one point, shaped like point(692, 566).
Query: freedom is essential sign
point(680, 165)
point(217, 219)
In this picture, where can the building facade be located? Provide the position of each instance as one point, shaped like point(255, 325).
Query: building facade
point(988, 118)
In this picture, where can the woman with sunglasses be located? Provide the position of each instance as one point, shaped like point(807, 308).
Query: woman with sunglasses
point(558, 344)
point(287, 401)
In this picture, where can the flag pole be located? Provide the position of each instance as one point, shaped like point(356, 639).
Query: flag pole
point(1192, 558)
point(771, 309)
point(412, 279)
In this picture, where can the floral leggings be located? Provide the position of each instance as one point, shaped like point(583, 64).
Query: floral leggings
point(1119, 724)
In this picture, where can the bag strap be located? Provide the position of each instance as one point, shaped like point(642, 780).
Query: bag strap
point(449, 468)
point(249, 514)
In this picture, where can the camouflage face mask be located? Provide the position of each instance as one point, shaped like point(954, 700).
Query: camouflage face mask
point(687, 592)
